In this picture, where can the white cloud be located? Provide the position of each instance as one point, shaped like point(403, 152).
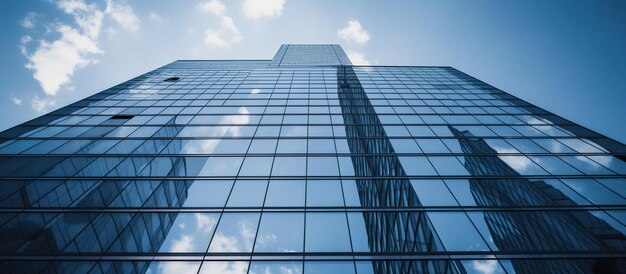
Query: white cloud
point(88, 17)
point(54, 62)
point(30, 20)
point(208, 146)
point(156, 17)
point(214, 6)
point(224, 243)
point(202, 146)
point(485, 267)
point(293, 269)
point(123, 14)
point(227, 33)
point(598, 162)
point(42, 104)
point(519, 163)
point(354, 32)
point(583, 146)
point(239, 241)
point(224, 267)
point(257, 9)
point(357, 58)
point(247, 234)
point(16, 100)
point(185, 244)
point(225, 36)
point(178, 267)
point(205, 222)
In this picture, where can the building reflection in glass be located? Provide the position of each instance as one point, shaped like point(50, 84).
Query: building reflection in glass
point(97, 232)
point(264, 143)
point(533, 230)
point(373, 156)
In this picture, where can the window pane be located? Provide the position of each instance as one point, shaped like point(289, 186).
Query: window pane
point(219, 267)
point(324, 193)
point(247, 193)
point(256, 166)
point(263, 146)
point(181, 267)
point(327, 232)
point(291, 146)
point(594, 192)
point(261, 267)
point(289, 166)
point(351, 193)
point(190, 232)
point(479, 266)
point(456, 231)
point(448, 166)
point(321, 146)
point(358, 232)
point(235, 233)
point(208, 193)
point(221, 166)
point(322, 166)
point(414, 165)
point(328, 267)
point(215, 146)
point(285, 193)
point(280, 232)
point(433, 193)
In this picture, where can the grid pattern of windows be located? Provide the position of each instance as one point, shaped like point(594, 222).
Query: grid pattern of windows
point(306, 164)
point(310, 55)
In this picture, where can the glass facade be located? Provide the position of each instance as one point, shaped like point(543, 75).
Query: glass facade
point(307, 164)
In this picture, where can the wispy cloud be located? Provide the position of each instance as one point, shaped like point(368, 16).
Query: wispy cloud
point(225, 36)
point(123, 15)
point(214, 6)
point(265, 239)
point(234, 241)
point(156, 17)
point(190, 233)
point(24, 41)
point(30, 20)
point(357, 58)
point(16, 100)
point(227, 33)
point(354, 32)
point(40, 104)
point(257, 9)
point(54, 62)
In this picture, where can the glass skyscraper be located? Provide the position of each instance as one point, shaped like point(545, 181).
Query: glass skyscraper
point(308, 164)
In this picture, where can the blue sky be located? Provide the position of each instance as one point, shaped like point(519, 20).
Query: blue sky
point(566, 56)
